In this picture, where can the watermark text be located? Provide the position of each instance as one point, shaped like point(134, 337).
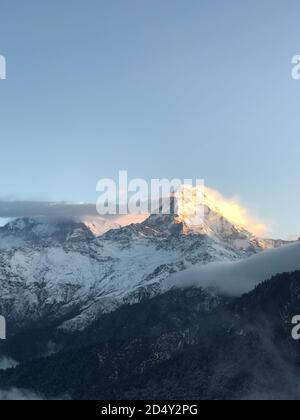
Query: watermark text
point(184, 198)
point(2, 328)
point(2, 67)
point(296, 67)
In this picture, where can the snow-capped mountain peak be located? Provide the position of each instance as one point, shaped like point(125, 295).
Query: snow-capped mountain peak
point(60, 270)
point(43, 231)
point(213, 224)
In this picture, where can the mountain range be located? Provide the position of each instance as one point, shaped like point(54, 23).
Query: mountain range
point(59, 269)
point(82, 286)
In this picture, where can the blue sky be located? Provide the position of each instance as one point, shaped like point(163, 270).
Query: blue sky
point(162, 88)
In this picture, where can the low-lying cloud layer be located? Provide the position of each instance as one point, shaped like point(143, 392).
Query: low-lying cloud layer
point(19, 395)
point(47, 212)
point(52, 212)
point(7, 363)
point(13, 209)
point(237, 278)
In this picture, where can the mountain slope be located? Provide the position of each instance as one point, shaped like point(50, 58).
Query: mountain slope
point(237, 348)
point(236, 278)
point(58, 270)
point(59, 273)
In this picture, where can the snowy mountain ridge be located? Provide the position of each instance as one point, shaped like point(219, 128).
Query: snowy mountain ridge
point(60, 271)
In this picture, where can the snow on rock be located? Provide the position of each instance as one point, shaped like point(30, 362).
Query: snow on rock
point(63, 271)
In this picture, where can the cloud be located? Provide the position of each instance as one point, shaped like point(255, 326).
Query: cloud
point(15, 394)
point(233, 211)
point(60, 210)
point(7, 363)
point(237, 278)
point(12, 209)
point(47, 212)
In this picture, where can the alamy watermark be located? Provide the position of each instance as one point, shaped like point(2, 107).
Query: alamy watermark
point(2, 77)
point(157, 196)
point(296, 328)
point(2, 67)
point(296, 318)
point(296, 67)
point(2, 328)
